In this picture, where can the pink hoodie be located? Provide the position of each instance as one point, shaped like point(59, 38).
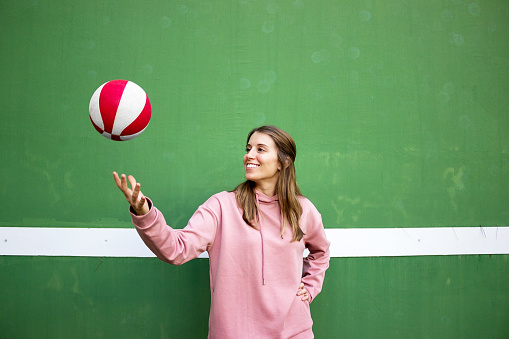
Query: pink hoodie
point(254, 274)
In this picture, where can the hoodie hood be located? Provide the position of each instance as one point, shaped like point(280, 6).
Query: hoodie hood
point(266, 199)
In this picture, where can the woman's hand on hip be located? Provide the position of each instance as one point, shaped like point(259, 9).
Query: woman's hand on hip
point(303, 292)
point(133, 195)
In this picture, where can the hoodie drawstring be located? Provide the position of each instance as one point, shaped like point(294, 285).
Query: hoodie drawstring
point(281, 228)
point(261, 236)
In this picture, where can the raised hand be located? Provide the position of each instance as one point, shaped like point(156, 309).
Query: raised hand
point(133, 195)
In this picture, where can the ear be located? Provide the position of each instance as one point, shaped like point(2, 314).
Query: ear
point(287, 162)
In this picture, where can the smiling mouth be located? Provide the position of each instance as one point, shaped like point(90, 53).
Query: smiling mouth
point(252, 166)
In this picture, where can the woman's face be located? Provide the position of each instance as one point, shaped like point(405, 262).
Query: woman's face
point(261, 161)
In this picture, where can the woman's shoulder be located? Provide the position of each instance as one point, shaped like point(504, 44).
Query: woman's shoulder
point(304, 200)
point(306, 204)
point(219, 201)
point(223, 197)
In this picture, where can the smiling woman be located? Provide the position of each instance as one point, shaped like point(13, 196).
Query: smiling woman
point(260, 285)
point(261, 163)
point(270, 169)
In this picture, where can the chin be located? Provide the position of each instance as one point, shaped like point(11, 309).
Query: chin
point(250, 177)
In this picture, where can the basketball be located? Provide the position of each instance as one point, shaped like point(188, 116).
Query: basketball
point(120, 110)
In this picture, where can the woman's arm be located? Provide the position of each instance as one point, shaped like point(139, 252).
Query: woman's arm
point(317, 262)
point(178, 246)
point(168, 244)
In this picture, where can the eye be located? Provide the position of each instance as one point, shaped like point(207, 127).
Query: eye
point(261, 150)
point(248, 149)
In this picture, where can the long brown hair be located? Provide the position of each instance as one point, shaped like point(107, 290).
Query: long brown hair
point(286, 186)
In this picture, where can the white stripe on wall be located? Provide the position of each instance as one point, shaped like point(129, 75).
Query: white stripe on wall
point(345, 242)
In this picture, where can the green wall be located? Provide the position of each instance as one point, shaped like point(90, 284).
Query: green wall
point(408, 297)
point(398, 108)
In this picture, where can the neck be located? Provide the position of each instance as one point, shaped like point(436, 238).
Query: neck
point(267, 189)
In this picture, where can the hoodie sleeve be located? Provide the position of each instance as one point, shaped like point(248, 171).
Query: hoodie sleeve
point(178, 246)
point(317, 262)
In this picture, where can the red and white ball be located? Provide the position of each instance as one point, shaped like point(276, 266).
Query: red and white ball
point(120, 110)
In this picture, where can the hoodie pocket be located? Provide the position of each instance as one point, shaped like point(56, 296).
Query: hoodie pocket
point(298, 318)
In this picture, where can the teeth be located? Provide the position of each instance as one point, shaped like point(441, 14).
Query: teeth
point(251, 166)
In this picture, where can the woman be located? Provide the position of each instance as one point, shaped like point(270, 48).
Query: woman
point(255, 236)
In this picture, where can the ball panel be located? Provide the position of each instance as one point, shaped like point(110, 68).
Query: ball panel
point(94, 112)
point(97, 128)
point(131, 136)
point(115, 137)
point(141, 121)
point(109, 100)
point(131, 104)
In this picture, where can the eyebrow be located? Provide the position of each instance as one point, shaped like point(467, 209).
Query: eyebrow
point(257, 145)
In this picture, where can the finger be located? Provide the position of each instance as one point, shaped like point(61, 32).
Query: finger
point(132, 181)
point(118, 181)
point(140, 203)
point(123, 183)
point(128, 193)
point(123, 187)
point(305, 294)
point(136, 192)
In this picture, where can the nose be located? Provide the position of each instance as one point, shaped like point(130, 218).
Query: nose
point(250, 154)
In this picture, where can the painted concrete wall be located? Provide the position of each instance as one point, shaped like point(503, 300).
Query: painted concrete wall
point(398, 108)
